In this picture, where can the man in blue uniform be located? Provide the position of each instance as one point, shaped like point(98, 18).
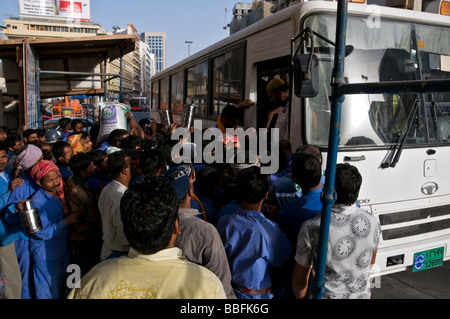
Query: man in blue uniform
point(49, 250)
point(10, 277)
point(253, 243)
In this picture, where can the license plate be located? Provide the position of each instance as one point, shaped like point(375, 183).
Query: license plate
point(428, 259)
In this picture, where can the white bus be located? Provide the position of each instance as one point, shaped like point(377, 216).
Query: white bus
point(410, 195)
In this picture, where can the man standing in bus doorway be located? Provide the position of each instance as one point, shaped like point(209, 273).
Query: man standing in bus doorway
point(278, 92)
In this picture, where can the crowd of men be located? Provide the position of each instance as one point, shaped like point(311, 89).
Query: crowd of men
point(137, 225)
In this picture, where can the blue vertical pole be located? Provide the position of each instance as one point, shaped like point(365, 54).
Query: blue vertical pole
point(329, 195)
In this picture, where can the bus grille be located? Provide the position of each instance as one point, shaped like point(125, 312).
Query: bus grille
point(426, 222)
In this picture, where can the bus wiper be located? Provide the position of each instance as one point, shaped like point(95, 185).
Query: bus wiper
point(398, 148)
point(433, 112)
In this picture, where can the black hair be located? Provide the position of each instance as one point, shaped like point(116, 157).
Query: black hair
point(148, 210)
point(98, 156)
point(116, 162)
point(63, 122)
point(131, 142)
point(208, 180)
point(40, 132)
point(58, 149)
point(144, 121)
point(3, 147)
point(230, 112)
point(83, 136)
point(10, 140)
point(95, 130)
point(45, 150)
point(29, 132)
point(308, 148)
point(165, 145)
point(151, 161)
point(75, 122)
point(348, 183)
point(306, 168)
point(79, 162)
point(251, 185)
point(116, 136)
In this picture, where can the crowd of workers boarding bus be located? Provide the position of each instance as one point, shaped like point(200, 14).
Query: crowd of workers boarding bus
point(220, 230)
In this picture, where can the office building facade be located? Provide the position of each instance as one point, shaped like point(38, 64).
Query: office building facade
point(157, 42)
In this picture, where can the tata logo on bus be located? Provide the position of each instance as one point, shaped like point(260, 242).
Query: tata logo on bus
point(430, 188)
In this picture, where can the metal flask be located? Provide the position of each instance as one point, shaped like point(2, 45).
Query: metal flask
point(30, 218)
point(188, 116)
point(166, 118)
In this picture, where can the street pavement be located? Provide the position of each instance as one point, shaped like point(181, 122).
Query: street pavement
point(427, 284)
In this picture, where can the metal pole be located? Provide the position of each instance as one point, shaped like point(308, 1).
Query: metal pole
point(79, 73)
point(189, 47)
point(105, 84)
point(329, 195)
point(121, 77)
point(38, 91)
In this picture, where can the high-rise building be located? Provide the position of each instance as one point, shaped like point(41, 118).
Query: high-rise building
point(157, 42)
point(131, 84)
point(148, 68)
point(245, 14)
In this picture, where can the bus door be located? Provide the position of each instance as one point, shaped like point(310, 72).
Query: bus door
point(266, 71)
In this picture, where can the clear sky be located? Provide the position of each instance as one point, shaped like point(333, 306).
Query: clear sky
point(199, 21)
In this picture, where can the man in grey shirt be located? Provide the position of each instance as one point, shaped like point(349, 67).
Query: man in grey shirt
point(199, 240)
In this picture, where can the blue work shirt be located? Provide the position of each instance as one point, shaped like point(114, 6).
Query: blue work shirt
point(278, 175)
point(295, 212)
point(282, 190)
point(254, 245)
point(211, 211)
point(65, 135)
point(97, 182)
point(65, 172)
point(8, 233)
point(103, 146)
point(230, 208)
point(234, 205)
point(50, 253)
point(25, 191)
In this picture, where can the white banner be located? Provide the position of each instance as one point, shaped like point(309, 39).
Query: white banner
point(66, 9)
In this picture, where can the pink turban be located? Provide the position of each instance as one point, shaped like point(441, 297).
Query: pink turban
point(29, 156)
point(42, 168)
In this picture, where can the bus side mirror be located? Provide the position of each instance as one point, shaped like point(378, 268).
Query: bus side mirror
point(306, 79)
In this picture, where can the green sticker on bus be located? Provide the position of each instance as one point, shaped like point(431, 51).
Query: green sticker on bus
point(428, 259)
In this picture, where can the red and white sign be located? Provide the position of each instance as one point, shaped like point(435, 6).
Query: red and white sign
point(70, 6)
point(67, 9)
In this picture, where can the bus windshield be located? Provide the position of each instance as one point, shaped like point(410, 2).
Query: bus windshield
point(407, 52)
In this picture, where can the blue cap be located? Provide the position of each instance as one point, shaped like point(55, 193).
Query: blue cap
point(179, 179)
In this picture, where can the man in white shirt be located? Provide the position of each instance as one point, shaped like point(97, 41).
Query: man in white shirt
point(199, 240)
point(278, 92)
point(352, 244)
point(115, 243)
point(154, 268)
